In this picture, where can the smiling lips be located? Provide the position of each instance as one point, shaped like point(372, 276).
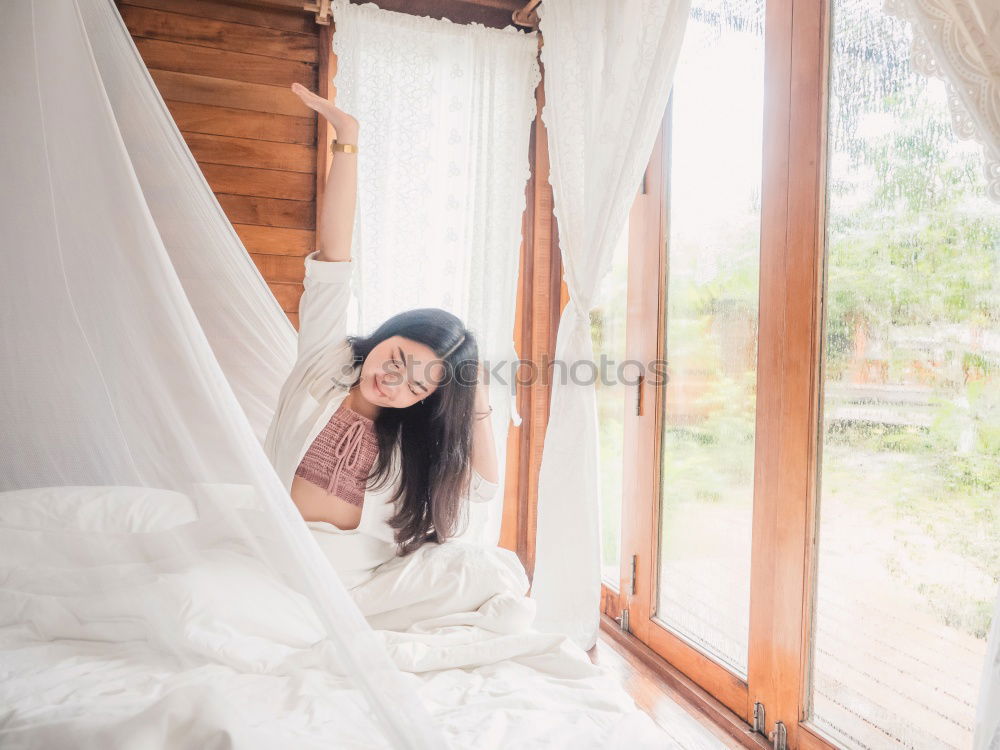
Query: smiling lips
point(378, 387)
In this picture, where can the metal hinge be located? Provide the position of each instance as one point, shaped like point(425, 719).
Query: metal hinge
point(778, 737)
point(758, 717)
point(622, 620)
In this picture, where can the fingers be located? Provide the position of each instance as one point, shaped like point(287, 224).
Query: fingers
point(306, 94)
point(310, 99)
point(298, 88)
point(314, 100)
point(325, 107)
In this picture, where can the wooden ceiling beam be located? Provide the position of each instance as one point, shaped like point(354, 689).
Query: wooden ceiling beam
point(492, 13)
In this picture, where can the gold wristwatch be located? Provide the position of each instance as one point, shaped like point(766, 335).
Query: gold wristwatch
point(348, 148)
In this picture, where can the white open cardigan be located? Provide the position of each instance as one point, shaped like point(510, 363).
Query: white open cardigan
point(318, 383)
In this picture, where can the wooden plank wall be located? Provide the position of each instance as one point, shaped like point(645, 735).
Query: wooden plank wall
point(224, 70)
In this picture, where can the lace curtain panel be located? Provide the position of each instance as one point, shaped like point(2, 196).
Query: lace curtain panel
point(445, 112)
point(609, 68)
point(959, 41)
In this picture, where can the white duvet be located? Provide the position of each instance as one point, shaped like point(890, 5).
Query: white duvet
point(234, 658)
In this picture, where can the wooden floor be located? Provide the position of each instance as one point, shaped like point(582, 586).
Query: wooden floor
point(680, 717)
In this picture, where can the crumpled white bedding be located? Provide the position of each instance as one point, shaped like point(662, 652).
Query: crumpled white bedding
point(235, 658)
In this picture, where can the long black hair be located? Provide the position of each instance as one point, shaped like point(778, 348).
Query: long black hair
point(434, 436)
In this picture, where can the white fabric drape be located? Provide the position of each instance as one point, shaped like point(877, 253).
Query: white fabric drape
point(445, 112)
point(142, 357)
point(959, 41)
point(987, 731)
point(609, 68)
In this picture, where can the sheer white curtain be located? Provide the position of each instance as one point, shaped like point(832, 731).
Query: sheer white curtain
point(142, 355)
point(445, 112)
point(609, 68)
point(959, 42)
point(987, 732)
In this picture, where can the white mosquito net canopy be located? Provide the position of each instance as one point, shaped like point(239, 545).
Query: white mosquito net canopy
point(142, 356)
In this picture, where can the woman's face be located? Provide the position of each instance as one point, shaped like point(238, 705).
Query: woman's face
point(399, 372)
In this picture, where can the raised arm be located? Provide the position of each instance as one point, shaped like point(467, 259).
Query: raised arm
point(336, 218)
point(484, 452)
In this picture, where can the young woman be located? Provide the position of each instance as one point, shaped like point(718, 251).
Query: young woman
point(380, 439)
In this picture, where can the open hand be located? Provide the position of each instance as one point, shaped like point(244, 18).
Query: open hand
point(345, 125)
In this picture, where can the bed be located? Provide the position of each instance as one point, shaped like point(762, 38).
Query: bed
point(109, 639)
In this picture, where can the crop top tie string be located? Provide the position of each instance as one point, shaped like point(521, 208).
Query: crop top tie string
point(347, 452)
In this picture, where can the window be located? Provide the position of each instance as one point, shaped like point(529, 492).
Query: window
point(607, 328)
point(908, 529)
point(810, 500)
point(709, 318)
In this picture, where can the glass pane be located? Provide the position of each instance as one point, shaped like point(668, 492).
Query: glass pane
point(711, 329)
point(607, 329)
point(909, 529)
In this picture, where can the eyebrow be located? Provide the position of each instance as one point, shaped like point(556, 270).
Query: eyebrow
point(399, 351)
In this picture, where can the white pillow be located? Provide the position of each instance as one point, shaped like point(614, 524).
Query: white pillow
point(100, 508)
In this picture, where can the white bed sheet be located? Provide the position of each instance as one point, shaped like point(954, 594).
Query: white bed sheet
point(100, 651)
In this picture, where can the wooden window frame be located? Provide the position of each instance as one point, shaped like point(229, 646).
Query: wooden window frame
point(789, 395)
point(541, 297)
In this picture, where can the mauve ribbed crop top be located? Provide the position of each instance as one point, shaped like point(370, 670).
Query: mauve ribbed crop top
point(342, 455)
